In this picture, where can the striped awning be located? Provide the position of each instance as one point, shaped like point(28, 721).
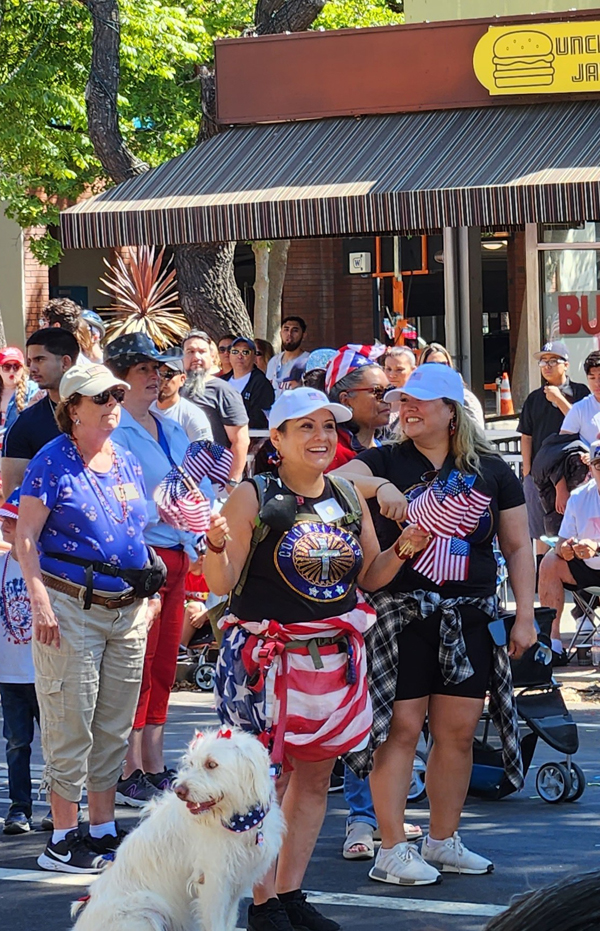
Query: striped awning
point(404, 173)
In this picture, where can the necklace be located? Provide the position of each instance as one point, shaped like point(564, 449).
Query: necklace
point(98, 489)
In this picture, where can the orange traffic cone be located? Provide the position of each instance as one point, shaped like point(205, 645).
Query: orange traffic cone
point(506, 404)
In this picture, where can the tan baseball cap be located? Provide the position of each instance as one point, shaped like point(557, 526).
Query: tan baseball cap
point(88, 380)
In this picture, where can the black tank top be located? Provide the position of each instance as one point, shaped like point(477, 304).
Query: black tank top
point(307, 573)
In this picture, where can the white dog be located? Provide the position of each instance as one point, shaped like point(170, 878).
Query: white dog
point(198, 849)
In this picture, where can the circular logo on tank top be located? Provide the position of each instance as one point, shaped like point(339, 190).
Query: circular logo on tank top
point(318, 561)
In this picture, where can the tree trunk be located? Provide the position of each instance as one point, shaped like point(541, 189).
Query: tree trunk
point(277, 268)
point(208, 293)
point(262, 287)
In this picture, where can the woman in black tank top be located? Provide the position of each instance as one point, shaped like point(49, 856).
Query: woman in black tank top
point(299, 609)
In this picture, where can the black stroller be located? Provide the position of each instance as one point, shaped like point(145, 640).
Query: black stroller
point(544, 716)
point(199, 659)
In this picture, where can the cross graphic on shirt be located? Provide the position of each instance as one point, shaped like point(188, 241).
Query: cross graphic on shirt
point(324, 554)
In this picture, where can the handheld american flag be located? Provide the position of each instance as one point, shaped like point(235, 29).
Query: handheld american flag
point(178, 498)
point(448, 509)
point(204, 459)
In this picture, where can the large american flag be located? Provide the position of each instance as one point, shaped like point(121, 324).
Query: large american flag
point(449, 509)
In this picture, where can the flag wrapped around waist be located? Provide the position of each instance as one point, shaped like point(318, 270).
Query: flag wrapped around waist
point(179, 500)
point(449, 509)
point(313, 707)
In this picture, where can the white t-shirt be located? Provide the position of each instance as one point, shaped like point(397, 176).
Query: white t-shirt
point(16, 662)
point(191, 417)
point(281, 374)
point(584, 419)
point(240, 383)
point(582, 517)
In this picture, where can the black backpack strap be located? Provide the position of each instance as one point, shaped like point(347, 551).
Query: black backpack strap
point(262, 484)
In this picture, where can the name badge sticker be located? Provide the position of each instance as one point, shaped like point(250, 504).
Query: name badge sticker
point(329, 510)
point(125, 492)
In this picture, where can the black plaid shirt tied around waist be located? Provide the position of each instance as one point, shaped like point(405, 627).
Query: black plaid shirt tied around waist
point(394, 612)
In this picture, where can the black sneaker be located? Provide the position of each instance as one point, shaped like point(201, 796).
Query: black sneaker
point(16, 822)
point(136, 790)
point(71, 855)
point(560, 659)
point(271, 916)
point(106, 846)
point(303, 916)
point(47, 824)
point(162, 781)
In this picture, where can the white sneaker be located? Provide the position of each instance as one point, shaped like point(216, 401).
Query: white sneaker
point(404, 866)
point(451, 856)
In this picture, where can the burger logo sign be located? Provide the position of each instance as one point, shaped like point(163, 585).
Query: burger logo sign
point(553, 58)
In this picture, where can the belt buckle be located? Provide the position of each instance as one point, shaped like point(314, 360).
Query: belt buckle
point(121, 602)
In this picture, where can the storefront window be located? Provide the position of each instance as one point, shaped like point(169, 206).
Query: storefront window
point(571, 299)
point(584, 232)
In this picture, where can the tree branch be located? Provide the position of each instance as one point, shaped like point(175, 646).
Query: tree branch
point(293, 16)
point(101, 92)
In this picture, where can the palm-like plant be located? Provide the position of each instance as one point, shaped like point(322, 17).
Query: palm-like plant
point(144, 298)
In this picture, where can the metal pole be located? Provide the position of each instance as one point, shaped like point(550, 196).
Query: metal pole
point(452, 342)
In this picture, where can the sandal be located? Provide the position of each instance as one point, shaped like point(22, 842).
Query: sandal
point(359, 842)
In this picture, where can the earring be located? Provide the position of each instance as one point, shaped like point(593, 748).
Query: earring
point(77, 422)
point(274, 459)
point(452, 425)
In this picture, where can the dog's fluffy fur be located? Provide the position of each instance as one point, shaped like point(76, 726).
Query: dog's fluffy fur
point(181, 869)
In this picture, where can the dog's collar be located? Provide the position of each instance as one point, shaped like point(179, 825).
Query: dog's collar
point(242, 823)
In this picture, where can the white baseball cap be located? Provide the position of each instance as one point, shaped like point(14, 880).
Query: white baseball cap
point(429, 382)
point(87, 380)
point(298, 402)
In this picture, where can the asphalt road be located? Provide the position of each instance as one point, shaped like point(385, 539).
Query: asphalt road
point(530, 842)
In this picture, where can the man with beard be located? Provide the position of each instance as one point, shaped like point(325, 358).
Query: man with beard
point(50, 352)
point(221, 403)
point(285, 370)
point(172, 379)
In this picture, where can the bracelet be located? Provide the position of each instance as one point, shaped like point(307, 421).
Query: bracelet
point(406, 552)
point(216, 549)
point(233, 483)
point(381, 486)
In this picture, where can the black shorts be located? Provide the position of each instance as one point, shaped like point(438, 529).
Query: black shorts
point(584, 575)
point(419, 672)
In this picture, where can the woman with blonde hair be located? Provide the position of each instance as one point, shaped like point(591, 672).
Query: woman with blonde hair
point(432, 652)
point(16, 391)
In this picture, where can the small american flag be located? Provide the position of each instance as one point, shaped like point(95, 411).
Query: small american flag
point(449, 510)
point(204, 459)
point(181, 505)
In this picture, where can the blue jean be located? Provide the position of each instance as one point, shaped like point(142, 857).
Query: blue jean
point(20, 711)
point(357, 794)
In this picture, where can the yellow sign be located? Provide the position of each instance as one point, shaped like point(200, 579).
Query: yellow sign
point(550, 58)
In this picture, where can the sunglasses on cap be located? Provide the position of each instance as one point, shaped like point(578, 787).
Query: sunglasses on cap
point(117, 394)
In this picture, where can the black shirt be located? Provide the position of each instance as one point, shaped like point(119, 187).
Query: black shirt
point(32, 429)
point(541, 418)
point(258, 397)
point(407, 468)
point(307, 573)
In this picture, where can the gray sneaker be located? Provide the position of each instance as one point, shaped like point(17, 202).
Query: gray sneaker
point(135, 791)
point(452, 856)
point(403, 865)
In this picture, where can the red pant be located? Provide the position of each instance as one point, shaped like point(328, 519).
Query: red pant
point(160, 663)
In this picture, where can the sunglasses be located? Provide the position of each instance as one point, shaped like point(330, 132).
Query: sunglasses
point(258, 354)
point(224, 349)
point(378, 391)
point(240, 352)
point(168, 374)
point(11, 366)
point(550, 363)
point(118, 395)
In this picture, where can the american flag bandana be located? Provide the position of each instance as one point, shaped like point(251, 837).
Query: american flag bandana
point(350, 357)
point(179, 501)
point(449, 509)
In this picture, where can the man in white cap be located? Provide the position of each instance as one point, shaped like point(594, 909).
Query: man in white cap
point(542, 415)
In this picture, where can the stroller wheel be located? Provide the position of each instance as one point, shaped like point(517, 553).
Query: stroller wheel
point(577, 783)
point(553, 782)
point(204, 677)
point(417, 790)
